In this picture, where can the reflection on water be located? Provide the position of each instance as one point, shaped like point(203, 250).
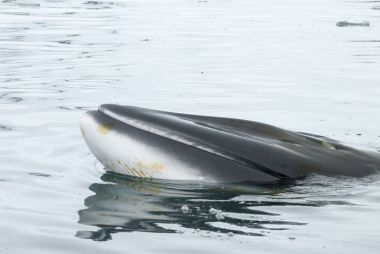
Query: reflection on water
point(129, 204)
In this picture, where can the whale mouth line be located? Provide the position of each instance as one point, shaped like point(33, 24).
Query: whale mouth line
point(206, 148)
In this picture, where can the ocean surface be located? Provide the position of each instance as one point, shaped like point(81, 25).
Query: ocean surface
point(311, 66)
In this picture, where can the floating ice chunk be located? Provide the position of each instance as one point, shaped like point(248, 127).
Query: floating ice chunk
point(218, 213)
point(346, 23)
point(185, 209)
point(213, 211)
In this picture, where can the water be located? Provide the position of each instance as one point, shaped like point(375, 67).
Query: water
point(285, 63)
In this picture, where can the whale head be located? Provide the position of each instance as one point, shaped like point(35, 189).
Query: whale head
point(156, 144)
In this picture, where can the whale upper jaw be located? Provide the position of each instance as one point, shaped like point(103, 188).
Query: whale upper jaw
point(155, 144)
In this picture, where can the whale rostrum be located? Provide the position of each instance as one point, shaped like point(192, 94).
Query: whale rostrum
point(156, 144)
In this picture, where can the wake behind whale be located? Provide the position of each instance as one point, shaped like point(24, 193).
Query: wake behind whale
point(156, 144)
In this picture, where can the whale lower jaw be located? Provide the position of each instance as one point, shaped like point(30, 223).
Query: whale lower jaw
point(128, 150)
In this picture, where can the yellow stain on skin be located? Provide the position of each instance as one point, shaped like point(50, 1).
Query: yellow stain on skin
point(105, 128)
point(157, 167)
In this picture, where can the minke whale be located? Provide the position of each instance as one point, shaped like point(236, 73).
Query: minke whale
point(149, 144)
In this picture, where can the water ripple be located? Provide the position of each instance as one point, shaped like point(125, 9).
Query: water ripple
point(284, 63)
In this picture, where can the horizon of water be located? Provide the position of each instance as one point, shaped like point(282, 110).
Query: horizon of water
point(310, 66)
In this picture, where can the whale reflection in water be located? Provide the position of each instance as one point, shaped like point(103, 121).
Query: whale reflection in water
point(131, 204)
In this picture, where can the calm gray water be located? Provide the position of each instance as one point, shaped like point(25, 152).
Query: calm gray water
point(311, 66)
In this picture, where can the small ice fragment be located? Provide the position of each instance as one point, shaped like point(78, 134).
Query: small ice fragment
point(213, 211)
point(219, 215)
point(230, 234)
point(185, 209)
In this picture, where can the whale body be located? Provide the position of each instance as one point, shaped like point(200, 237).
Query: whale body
point(149, 144)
